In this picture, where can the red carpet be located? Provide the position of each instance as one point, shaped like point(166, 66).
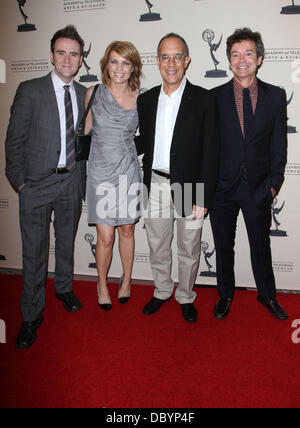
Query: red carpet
point(124, 359)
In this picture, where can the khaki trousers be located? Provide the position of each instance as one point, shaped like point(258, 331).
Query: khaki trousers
point(159, 221)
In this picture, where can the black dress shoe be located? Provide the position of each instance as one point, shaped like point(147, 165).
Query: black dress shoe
point(27, 334)
point(124, 300)
point(105, 306)
point(154, 305)
point(71, 302)
point(222, 308)
point(274, 308)
point(189, 312)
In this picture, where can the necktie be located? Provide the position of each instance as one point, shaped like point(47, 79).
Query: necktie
point(248, 112)
point(70, 133)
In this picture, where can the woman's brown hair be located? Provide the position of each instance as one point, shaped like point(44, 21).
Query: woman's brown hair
point(128, 51)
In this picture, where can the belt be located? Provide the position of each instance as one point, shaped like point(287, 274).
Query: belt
point(61, 171)
point(162, 174)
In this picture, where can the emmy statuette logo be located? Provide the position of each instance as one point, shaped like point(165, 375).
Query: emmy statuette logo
point(148, 17)
point(208, 36)
point(89, 238)
point(275, 213)
point(88, 77)
point(24, 27)
point(293, 9)
point(207, 256)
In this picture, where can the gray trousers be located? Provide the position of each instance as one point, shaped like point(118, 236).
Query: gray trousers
point(62, 195)
point(160, 232)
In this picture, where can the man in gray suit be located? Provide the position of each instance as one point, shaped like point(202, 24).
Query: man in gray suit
point(41, 166)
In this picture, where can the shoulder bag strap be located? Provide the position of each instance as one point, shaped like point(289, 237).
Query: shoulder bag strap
point(82, 123)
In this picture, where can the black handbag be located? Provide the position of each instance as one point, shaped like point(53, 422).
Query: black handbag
point(83, 142)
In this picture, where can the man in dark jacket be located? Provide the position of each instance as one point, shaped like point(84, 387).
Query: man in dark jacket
point(179, 140)
point(253, 128)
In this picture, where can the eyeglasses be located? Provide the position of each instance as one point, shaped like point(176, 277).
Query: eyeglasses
point(178, 59)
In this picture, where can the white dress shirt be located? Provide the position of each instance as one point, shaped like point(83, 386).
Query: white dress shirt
point(167, 113)
point(60, 97)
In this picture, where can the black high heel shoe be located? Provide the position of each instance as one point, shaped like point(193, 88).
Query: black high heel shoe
point(124, 299)
point(104, 306)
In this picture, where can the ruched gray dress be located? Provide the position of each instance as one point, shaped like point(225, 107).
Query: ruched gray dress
point(114, 173)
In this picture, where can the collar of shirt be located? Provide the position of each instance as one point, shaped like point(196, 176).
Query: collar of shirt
point(59, 84)
point(238, 88)
point(175, 94)
point(239, 99)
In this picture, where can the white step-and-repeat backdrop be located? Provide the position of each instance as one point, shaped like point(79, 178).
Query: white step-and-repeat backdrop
point(26, 29)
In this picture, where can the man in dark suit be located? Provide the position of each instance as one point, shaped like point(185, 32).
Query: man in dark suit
point(41, 166)
point(253, 127)
point(179, 140)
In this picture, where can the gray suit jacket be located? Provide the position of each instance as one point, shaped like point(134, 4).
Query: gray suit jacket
point(33, 140)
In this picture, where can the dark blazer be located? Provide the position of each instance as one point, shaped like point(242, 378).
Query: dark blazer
point(195, 146)
point(33, 140)
point(263, 153)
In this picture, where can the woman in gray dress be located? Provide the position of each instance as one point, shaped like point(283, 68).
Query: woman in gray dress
point(114, 175)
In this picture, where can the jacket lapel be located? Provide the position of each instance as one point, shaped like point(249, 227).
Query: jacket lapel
point(152, 113)
point(49, 95)
point(262, 102)
point(184, 109)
